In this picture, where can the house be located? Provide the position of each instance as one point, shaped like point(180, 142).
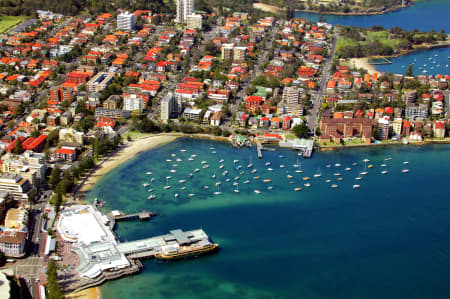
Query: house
point(253, 103)
point(439, 129)
point(66, 153)
point(216, 118)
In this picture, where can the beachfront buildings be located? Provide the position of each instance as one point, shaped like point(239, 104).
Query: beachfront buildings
point(15, 185)
point(126, 21)
point(185, 8)
point(168, 106)
point(335, 129)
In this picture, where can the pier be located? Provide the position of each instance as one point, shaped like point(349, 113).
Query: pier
point(142, 215)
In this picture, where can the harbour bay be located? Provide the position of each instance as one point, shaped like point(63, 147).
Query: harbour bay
point(282, 243)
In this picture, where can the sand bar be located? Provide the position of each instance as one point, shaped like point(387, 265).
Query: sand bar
point(364, 64)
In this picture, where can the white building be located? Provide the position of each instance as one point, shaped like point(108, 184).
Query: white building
point(132, 103)
point(167, 106)
point(184, 8)
point(15, 185)
point(194, 22)
point(126, 21)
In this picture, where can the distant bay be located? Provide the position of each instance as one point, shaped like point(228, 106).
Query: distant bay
point(424, 15)
point(388, 239)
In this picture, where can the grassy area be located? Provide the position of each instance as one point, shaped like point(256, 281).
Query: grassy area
point(385, 38)
point(7, 22)
point(345, 42)
point(134, 135)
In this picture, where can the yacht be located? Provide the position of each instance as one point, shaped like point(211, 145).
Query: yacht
point(297, 165)
point(257, 191)
point(191, 194)
point(356, 186)
point(196, 170)
point(405, 170)
point(182, 181)
point(236, 190)
point(298, 189)
point(318, 174)
point(152, 196)
point(148, 173)
point(307, 185)
point(384, 172)
point(145, 185)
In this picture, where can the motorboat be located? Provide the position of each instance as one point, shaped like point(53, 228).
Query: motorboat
point(152, 196)
point(405, 170)
point(148, 173)
point(146, 185)
point(356, 186)
point(298, 189)
point(257, 191)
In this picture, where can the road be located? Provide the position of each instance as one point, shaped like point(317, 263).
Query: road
point(314, 113)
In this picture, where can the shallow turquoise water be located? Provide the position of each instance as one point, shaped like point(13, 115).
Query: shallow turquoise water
point(388, 239)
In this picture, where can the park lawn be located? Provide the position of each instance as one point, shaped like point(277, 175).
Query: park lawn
point(383, 37)
point(7, 22)
point(345, 42)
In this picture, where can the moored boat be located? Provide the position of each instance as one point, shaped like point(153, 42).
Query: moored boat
point(186, 251)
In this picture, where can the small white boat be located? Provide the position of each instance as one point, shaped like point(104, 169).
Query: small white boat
point(235, 183)
point(299, 171)
point(246, 181)
point(183, 188)
point(225, 173)
point(148, 173)
point(167, 187)
point(152, 180)
point(227, 180)
point(257, 191)
point(282, 166)
point(256, 177)
point(178, 160)
point(337, 164)
point(236, 178)
point(182, 181)
point(289, 176)
point(383, 165)
point(152, 196)
point(334, 186)
point(221, 166)
point(218, 184)
point(191, 159)
point(213, 176)
point(267, 163)
point(173, 155)
point(328, 181)
point(269, 169)
point(213, 152)
point(145, 185)
point(196, 170)
point(175, 165)
point(205, 166)
point(337, 174)
point(306, 178)
point(168, 177)
point(191, 194)
point(406, 162)
point(348, 169)
point(356, 186)
point(317, 175)
point(150, 190)
point(221, 160)
point(307, 185)
point(204, 162)
point(366, 160)
point(236, 191)
point(363, 173)
point(190, 175)
point(328, 166)
point(269, 188)
point(298, 189)
point(253, 170)
point(235, 161)
point(267, 180)
point(168, 160)
point(405, 170)
point(176, 195)
point(354, 164)
point(205, 187)
point(217, 193)
point(384, 172)
point(173, 171)
point(296, 165)
point(193, 156)
point(182, 150)
point(358, 178)
point(242, 172)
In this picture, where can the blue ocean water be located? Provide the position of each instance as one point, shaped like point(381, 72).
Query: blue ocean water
point(435, 61)
point(389, 239)
point(424, 15)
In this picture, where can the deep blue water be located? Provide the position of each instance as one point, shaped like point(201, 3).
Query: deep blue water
point(421, 59)
point(424, 15)
point(388, 239)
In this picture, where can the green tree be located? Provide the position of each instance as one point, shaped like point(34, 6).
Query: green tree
point(55, 177)
point(54, 290)
point(18, 149)
point(301, 130)
point(409, 71)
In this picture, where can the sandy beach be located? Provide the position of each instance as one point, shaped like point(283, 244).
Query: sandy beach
point(363, 63)
point(128, 151)
point(267, 7)
point(91, 293)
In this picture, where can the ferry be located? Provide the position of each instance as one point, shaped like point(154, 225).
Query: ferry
point(145, 185)
point(257, 191)
point(152, 196)
point(306, 178)
point(267, 180)
point(405, 170)
point(186, 251)
point(356, 186)
point(298, 189)
point(196, 170)
point(334, 186)
point(148, 173)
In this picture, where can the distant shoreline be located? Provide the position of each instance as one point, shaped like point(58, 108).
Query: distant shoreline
point(275, 9)
point(338, 147)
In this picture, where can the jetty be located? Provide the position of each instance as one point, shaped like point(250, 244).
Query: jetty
point(142, 215)
point(260, 148)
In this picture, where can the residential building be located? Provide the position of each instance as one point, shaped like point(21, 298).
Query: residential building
point(126, 21)
point(439, 129)
point(291, 95)
point(383, 128)
point(14, 184)
point(112, 113)
point(17, 219)
point(416, 111)
point(29, 165)
point(227, 52)
point(194, 22)
point(66, 153)
point(168, 106)
point(112, 102)
point(192, 114)
point(12, 243)
point(239, 53)
point(132, 103)
point(216, 118)
point(185, 8)
point(336, 129)
point(99, 81)
point(397, 126)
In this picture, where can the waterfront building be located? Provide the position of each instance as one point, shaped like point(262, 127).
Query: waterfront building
point(14, 184)
point(194, 22)
point(336, 129)
point(397, 126)
point(126, 21)
point(383, 128)
point(168, 106)
point(439, 129)
point(12, 243)
point(185, 8)
point(192, 114)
